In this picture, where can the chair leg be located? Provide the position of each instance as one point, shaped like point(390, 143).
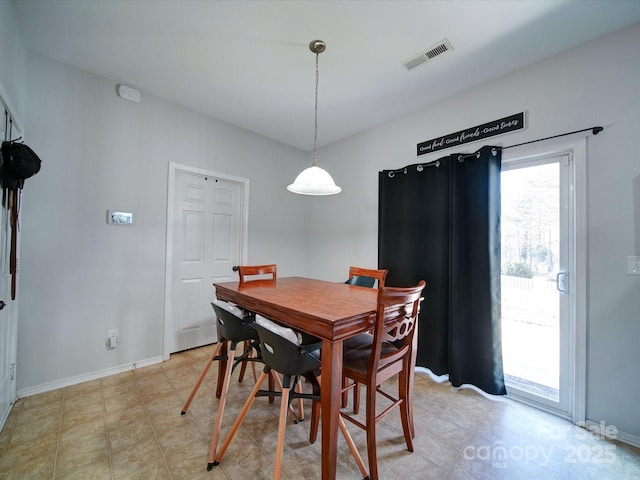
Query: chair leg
point(300, 405)
point(238, 422)
point(404, 417)
point(371, 432)
point(356, 397)
point(345, 392)
point(243, 367)
point(356, 394)
point(406, 410)
point(315, 420)
point(277, 381)
point(272, 384)
point(282, 425)
point(223, 400)
point(222, 364)
point(253, 367)
point(206, 368)
point(352, 447)
point(315, 411)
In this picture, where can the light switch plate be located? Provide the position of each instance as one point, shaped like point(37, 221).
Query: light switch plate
point(633, 265)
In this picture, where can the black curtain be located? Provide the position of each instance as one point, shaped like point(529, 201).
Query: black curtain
point(441, 224)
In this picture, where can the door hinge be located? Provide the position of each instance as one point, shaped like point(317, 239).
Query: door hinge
point(12, 371)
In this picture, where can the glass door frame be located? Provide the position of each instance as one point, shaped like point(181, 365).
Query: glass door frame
point(572, 404)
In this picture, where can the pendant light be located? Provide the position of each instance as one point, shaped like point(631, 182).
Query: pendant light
point(315, 180)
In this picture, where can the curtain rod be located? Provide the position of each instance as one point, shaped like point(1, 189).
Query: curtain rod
point(461, 158)
point(594, 130)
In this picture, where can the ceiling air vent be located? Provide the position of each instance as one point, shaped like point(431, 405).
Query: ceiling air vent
point(428, 54)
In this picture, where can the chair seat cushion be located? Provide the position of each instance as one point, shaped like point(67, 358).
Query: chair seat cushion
point(282, 350)
point(285, 332)
point(357, 359)
point(229, 307)
point(359, 341)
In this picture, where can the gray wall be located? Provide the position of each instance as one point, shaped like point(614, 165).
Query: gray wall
point(594, 84)
point(80, 276)
point(13, 59)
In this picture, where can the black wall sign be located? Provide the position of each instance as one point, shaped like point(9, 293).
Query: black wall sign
point(491, 129)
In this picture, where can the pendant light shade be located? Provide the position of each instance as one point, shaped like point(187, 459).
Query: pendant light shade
point(315, 180)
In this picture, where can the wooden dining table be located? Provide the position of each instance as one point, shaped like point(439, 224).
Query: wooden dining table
point(328, 310)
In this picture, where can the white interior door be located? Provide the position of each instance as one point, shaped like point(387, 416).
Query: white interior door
point(207, 233)
point(9, 312)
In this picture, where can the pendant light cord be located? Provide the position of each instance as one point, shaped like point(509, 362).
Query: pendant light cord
point(315, 130)
point(315, 180)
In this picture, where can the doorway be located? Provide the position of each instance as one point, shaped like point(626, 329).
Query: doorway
point(207, 218)
point(540, 292)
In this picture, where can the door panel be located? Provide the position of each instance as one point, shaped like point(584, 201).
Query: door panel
point(191, 302)
point(193, 230)
point(222, 238)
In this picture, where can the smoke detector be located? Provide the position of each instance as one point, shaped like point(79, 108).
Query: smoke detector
point(430, 53)
point(128, 93)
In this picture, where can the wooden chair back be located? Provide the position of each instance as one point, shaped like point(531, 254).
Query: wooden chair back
point(396, 320)
point(263, 272)
point(378, 275)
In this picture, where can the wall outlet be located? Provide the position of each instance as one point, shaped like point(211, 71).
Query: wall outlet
point(633, 265)
point(113, 338)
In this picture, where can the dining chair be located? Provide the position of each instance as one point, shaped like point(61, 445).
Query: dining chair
point(257, 272)
point(233, 328)
point(247, 273)
point(234, 333)
point(364, 277)
point(383, 355)
point(288, 353)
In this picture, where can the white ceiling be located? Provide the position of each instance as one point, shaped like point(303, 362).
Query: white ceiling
point(248, 62)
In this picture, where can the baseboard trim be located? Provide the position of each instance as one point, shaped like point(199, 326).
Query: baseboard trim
point(3, 420)
point(622, 437)
point(629, 439)
point(67, 382)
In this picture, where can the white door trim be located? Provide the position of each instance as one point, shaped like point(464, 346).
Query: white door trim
point(173, 169)
point(9, 350)
point(577, 148)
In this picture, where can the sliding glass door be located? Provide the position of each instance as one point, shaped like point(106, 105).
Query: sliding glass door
point(537, 272)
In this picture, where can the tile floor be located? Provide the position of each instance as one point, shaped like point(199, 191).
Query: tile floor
point(128, 426)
